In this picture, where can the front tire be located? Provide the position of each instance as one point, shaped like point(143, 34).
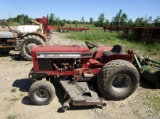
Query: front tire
point(118, 79)
point(27, 44)
point(41, 92)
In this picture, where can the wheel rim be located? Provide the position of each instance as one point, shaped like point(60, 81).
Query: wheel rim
point(41, 95)
point(29, 46)
point(121, 83)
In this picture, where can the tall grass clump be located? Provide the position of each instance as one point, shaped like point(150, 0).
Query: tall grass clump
point(98, 36)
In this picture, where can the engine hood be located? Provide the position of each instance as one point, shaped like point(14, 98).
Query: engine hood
point(61, 51)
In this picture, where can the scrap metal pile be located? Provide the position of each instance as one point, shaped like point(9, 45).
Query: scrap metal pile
point(137, 33)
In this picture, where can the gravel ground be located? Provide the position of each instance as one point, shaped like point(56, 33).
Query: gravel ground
point(14, 102)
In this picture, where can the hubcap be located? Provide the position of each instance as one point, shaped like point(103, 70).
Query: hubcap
point(41, 95)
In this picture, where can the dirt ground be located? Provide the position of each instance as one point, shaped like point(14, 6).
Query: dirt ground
point(14, 102)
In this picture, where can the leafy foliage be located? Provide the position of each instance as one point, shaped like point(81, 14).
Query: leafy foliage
point(55, 20)
point(120, 19)
point(21, 19)
point(96, 35)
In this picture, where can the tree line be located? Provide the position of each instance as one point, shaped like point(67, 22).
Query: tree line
point(120, 19)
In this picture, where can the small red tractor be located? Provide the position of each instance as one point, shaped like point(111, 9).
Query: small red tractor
point(24, 38)
point(77, 67)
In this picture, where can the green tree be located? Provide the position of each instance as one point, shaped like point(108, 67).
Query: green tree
point(97, 24)
point(61, 23)
point(113, 21)
point(75, 22)
point(150, 20)
point(52, 19)
point(138, 22)
point(82, 20)
point(144, 22)
point(157, 21)
point(64, 20)
point(69, 22)
point(107, 22)
point(123, 19)
point(130, 22)
point(101, 19)
point(118, 17)
point(22, 18)
point(91, 20)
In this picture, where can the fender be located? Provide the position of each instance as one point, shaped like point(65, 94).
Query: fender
point(127, 57)
point(42, 35)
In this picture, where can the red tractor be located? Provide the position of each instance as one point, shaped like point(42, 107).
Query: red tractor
point(115, 75)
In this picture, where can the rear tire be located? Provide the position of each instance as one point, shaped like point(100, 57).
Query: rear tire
point(41, 92)
point(118, 79)
point(28, 42)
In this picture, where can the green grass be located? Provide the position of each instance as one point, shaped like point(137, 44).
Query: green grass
point(79, 25)
point(12, 117)
point(14, 99)
point(13, 90)
point(98, 36)
point(154, 103)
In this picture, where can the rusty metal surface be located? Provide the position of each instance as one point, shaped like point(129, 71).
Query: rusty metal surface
point(7, 47)
point(137, 33)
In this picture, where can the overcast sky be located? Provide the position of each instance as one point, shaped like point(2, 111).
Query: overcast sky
point(76, 9)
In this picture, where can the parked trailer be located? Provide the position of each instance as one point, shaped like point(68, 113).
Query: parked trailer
point(66, 29)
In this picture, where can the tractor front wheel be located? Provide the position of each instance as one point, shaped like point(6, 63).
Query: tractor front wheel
point(41, 92)
point(28, 42)
point(118, 79)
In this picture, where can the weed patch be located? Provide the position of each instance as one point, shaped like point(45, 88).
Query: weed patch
point(13, 90)
point(11, 117)
point(96, 35)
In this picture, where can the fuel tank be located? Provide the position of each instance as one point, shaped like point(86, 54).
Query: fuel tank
point(27, 28)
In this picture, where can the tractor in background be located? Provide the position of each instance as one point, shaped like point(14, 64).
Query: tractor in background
point(25, 37)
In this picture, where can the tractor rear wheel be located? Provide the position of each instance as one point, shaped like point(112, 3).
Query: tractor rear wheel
point(118, 79)
point(41, 92)
point(28, 42)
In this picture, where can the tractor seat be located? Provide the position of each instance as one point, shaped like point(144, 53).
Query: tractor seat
point(115, 50)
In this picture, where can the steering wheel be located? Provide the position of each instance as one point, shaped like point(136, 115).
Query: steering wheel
point(3, 24)
point(90, 45)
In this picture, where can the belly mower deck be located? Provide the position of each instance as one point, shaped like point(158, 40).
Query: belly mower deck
point(80, 94)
